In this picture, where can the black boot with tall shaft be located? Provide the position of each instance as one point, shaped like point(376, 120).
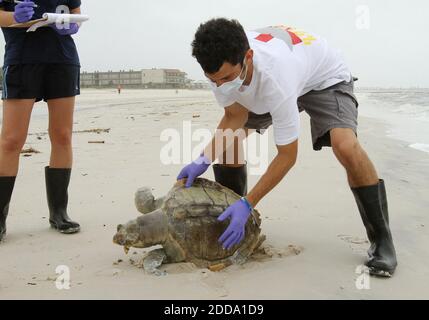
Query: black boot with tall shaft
point(234, 178)
point(57, 182)
point(372, 204)
point(6, 188)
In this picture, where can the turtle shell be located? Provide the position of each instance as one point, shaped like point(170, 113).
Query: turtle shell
point(192, 217)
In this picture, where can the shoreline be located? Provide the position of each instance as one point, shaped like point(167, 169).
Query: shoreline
point(406, 121)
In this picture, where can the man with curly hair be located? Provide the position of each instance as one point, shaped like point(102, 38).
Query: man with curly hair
point(266, 77)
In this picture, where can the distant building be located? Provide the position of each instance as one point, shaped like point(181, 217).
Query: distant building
point(199, 84)
point(146, 78)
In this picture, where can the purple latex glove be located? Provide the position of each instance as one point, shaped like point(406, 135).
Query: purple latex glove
point(66, 30)
point(24, 11)
point(194, 170)
point(239, 213)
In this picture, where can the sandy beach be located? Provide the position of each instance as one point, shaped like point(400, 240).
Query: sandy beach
point(312, 210)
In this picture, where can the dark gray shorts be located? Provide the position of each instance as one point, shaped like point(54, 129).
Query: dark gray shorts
point(333, 107)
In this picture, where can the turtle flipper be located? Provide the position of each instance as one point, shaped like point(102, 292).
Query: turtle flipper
point(238, 258)
point(153, 260)
point(145, 202)
point(243, 253)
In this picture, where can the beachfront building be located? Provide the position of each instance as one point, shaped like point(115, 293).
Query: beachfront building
point(199, 85)
point(146, 78)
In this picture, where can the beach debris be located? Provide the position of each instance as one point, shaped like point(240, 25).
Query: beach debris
point(185, 224)
point(94, 142)
point(97, 131)
point(29, 152)
point(218, 267)
point(196, 116)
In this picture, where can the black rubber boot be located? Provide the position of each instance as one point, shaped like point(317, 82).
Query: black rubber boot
point(57, 182)
point(372, 204)
point(6, 188)
point(232, 178)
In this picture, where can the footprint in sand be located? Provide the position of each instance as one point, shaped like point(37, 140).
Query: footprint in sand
point(357, 244)
point(267, 252)
point(214, 281)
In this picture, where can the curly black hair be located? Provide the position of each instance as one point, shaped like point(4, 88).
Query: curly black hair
point(218, 41)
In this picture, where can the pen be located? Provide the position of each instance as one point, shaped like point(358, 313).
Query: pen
point(16, 1)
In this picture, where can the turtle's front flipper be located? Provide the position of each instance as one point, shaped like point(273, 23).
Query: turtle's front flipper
point(145, 201)
point(244, 252)
point(238, 258)
point(153, 260)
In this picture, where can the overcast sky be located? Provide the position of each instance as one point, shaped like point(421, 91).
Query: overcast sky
point(137, 34)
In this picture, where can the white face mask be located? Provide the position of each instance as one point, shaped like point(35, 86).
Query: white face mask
point(229, 87)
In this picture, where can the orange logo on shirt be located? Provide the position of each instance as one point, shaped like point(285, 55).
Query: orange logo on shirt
point(295, 36)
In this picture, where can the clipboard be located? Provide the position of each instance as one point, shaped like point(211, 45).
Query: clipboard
point(51, 18)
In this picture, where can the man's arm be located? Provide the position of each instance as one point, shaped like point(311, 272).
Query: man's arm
point(239, 211)
point(235, 118)
point(286, 131)
point(279, 167)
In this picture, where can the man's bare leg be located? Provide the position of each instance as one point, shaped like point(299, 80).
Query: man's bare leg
point(370, 195)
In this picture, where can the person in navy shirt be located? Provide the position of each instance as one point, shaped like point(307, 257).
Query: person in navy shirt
point(40, 65)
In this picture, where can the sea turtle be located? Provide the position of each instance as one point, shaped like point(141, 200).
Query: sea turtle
point(185, 224)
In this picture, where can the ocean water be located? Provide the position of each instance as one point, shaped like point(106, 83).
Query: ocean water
point(406, 111)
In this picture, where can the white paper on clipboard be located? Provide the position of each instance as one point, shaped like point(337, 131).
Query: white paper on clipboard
point(50, 18)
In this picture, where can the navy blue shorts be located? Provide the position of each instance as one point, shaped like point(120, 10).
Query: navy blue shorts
point(40, 81)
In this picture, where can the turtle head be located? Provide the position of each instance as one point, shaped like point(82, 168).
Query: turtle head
point(127, 235)
point(143, 232)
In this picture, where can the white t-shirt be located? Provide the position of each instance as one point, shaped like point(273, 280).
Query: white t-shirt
point(288, 63)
